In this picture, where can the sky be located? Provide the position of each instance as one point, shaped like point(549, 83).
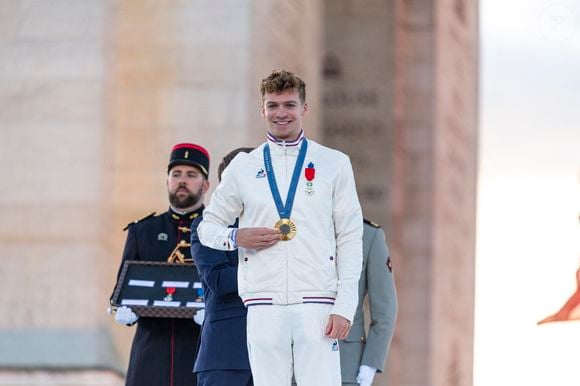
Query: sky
point(528, 237)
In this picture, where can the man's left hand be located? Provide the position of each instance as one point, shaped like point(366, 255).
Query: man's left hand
point(337, 327)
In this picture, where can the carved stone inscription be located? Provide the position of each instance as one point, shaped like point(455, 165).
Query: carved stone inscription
point(357, 97)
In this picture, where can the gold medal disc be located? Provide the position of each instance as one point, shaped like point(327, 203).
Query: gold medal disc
point(287, 228)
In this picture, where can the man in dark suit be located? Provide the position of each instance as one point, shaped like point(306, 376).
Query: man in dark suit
point(222, 355)
point(163, 349)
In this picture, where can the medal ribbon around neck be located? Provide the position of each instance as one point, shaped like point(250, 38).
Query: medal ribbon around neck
point(286, 225)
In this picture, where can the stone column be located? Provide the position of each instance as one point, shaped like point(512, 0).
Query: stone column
point(52, 163)
point(358, 95)
point(358, 90)
point(433, 191)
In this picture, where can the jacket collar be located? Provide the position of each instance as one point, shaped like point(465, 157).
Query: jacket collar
point(279, 146)
point(177, 216)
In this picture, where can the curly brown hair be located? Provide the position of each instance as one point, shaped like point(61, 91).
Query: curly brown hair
point(282, 80)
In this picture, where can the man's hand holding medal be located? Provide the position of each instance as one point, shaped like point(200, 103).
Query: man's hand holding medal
point(257, 238)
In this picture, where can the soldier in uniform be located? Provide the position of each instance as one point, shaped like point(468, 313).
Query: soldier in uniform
point(163, 349)
point(362, 353)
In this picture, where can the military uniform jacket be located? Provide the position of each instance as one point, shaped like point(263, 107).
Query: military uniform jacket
point(163, 349)
point(376, 281)
point(222, 345)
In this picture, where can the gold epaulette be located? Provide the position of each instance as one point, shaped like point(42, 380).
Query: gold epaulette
point(141, 219)
point(371, 223)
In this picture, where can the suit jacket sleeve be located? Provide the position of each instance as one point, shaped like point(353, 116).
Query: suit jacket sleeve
point(382, 301)
point(213, 266)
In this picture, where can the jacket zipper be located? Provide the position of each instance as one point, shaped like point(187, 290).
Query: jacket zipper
point(287, 191)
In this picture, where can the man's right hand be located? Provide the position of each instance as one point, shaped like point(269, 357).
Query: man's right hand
point(126, 316)
point(257, 238)
point(337, 327)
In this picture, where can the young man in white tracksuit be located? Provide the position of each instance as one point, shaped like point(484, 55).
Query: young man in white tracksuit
point(299, 239)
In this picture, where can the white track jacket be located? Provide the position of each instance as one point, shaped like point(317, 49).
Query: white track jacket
point(323, 262)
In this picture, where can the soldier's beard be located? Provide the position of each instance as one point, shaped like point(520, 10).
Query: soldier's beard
point(184, 202)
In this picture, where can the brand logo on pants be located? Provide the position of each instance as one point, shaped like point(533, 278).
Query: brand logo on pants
point(335, 345)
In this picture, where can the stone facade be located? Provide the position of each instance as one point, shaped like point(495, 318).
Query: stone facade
point(52, 153)
point(93, 94)
point(400, 97)
point(432, 205)
point(358, 95)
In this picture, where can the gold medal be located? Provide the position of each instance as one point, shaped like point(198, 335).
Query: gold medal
point(287, 228)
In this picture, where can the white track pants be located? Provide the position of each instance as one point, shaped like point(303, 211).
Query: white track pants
point(291, 337)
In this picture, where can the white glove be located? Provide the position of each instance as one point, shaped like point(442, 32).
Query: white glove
point(365, 376)
point(125, 315)
point(199, 316)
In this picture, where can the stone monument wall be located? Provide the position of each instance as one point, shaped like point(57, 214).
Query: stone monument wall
point(94, 94)
point(434, 187)
point(358, 70)
point(52, 164)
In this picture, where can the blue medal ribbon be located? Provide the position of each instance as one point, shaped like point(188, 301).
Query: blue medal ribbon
point(284, 210)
